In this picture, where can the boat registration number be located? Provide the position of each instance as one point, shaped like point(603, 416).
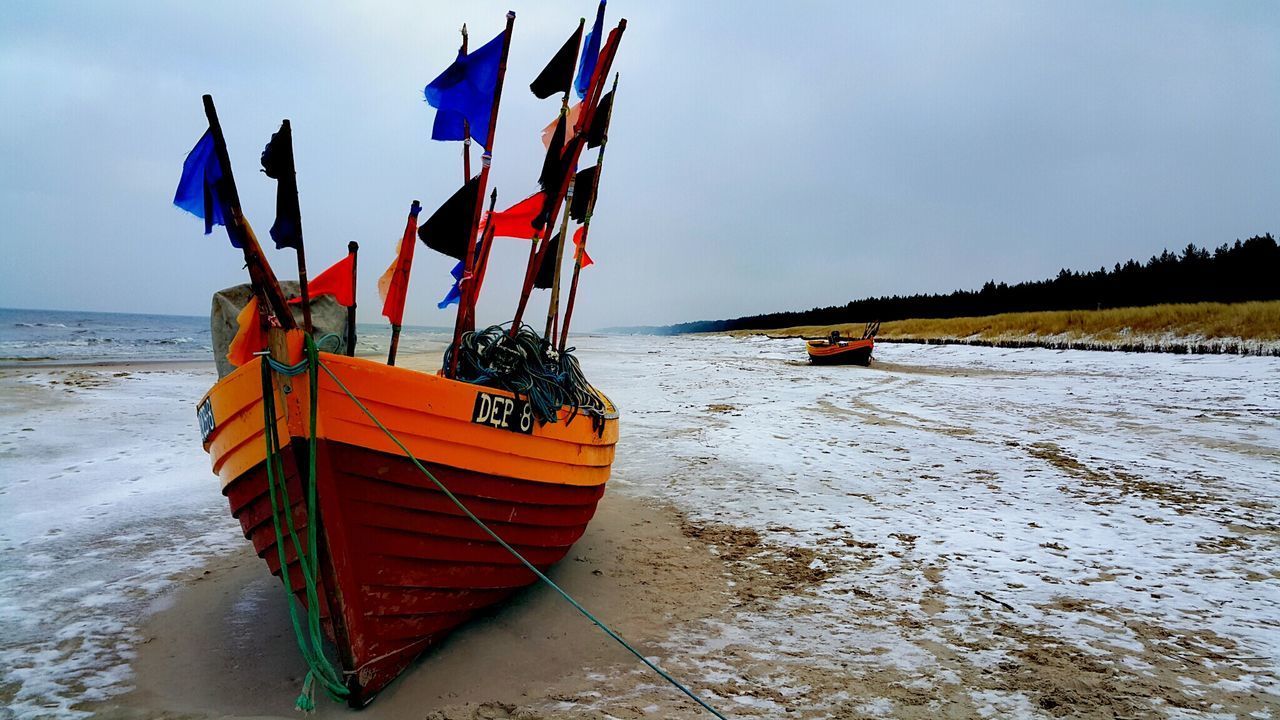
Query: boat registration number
point(504, 413)
point(204, 414)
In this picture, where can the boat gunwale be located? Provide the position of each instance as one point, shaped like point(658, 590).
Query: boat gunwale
point(582, 450)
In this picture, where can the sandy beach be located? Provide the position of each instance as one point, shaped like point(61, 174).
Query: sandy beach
point(953, 532)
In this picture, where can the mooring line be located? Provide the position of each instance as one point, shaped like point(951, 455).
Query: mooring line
point(515, 553)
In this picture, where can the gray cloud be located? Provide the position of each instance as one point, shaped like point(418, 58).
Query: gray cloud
point(762, 158)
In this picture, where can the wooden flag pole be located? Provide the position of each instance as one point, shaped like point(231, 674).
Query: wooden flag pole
point(400, 278)
point(353, 248)
point(603, 65)
point(395, 345)
point(287, 129)
point(482, 263)
point(485, 160)
point(553, 303)
point(581, 250)
point(530, 271)
point(573, 288)
point(466, 125)
point(529, 274)
point(264, 281)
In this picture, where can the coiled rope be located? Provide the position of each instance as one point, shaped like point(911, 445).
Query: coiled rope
point(311, 644)
point(527, 364)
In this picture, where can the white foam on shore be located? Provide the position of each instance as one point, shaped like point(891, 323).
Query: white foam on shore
point(106, 496)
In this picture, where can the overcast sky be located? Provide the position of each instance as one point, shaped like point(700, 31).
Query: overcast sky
point(763, 156)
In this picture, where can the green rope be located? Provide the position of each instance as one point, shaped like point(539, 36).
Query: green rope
point(310, 643)
point(337, 342)
point(515, 553)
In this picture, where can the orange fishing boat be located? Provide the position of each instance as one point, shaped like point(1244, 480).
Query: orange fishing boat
point(399, 564)
point(836, 350)
point(396, 504)
point(840, 352)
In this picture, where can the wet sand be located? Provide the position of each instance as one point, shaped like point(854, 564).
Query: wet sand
point(224, 648)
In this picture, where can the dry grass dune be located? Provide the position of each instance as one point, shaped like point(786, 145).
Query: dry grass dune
point(1251, 327)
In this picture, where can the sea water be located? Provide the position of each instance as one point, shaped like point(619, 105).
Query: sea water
point(61, 336)
point(78, 336)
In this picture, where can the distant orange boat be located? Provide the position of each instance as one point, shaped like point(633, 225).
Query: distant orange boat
point(841, 352)
point(400, 564)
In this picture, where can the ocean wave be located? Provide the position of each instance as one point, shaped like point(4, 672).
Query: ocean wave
point(39, 324)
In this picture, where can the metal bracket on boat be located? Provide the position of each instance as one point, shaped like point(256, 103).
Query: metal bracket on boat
point(285, 387)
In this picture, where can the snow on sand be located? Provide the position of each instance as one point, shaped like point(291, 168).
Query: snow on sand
point(967, 531)
point(953, 532)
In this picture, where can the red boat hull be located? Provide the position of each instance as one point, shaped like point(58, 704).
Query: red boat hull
point(400, 565)
point(399, 557)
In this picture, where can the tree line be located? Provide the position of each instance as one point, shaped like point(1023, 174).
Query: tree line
point(1240, 272)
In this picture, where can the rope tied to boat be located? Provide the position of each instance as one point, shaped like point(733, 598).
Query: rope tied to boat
point(320, 669)
point(516, 553)
point(310, 642)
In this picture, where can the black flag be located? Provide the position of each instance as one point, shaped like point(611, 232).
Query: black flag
point(448, 228)
point(582, 187)
point(547, 270)
point(552, 173)
point(557, 76)
point(277, 163)
point(553, 176)
point(598, 133)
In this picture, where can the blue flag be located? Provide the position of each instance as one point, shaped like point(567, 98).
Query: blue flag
point(454, 296)
point(198, 189)
point(448, 124)
point(590, 53)
point(465, 91)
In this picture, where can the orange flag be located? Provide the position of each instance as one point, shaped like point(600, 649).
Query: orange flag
point(250, 338)
point(578, 240)
point(550, 130)
point(394, 283)
point(336, 281)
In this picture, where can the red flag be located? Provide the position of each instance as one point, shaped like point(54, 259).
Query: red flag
point(517, 220)
point(394, 283)
point(336, 281)
point(578, 240)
